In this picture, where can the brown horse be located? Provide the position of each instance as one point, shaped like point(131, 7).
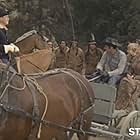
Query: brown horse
point(61, 96)
point(36, 62)
point(30, 41)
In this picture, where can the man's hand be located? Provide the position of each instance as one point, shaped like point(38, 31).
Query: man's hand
point(8, 48)
point(11, 48)
point(105, 74)
point(16, 49)
point(98, 71)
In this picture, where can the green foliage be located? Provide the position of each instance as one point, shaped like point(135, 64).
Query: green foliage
point(118, 18)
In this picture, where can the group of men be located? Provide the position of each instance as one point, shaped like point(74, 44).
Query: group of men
point(110, 62)
point(71, 57)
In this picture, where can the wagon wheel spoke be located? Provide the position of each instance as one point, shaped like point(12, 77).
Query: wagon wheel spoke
point(131, 121)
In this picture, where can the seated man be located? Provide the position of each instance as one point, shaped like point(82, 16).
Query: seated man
point(113, 62)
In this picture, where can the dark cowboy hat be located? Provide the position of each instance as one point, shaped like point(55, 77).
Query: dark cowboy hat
point(3, 12)
point(111, 41)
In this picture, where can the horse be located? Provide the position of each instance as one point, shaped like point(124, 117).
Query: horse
point(61, 96)
point(36, 61)
point(30, 41)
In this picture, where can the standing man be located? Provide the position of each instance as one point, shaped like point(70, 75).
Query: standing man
point(75, 58)
point(60, 55)
point(51, 49)
point(50, 46)
point(92, 57)
point(113, 62)
point(5, 47)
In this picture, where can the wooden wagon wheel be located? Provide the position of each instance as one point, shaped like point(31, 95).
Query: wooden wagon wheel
point(131, 121)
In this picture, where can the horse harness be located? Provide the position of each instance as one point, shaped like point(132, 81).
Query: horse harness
point(31, 83)
point(33, 87)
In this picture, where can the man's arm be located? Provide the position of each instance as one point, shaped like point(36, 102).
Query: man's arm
point(82, 57)
point(121, 66)
point(102, 61)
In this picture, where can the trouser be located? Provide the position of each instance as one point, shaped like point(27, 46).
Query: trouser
point(113, 80)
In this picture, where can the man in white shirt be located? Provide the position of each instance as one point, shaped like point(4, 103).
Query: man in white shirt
point(113, 62)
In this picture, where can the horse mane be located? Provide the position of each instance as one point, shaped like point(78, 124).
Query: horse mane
point(25, 35)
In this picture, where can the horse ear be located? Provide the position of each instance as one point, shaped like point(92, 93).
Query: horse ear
point(45, 38)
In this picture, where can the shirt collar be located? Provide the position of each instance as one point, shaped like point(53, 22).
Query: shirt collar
point(3, 27)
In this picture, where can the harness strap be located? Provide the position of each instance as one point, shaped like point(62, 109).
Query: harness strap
point(35, 102)
point(33, 86)
point(39, 88)
point(47, 124)
point(8, 85)
point(35, 109)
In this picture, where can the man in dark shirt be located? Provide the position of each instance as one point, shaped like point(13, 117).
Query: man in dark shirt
point(5, 47)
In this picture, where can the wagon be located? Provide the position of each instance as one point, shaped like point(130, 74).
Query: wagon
point(111, 124)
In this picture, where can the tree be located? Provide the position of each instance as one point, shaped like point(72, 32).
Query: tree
point(117, 18)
